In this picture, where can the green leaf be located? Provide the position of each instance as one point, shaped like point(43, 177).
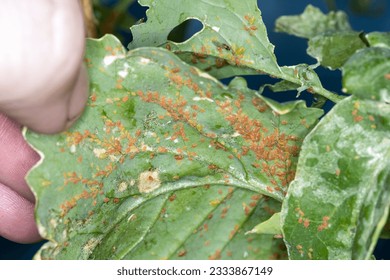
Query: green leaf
point(280, 86)
point(331, 39)
point(339, 201)
point(236, 37)
point(335, 49)
point(231, 43)
point(270, 226)
point(378, 39)
point(313, 22)
point(156, 130)
point(367, 74)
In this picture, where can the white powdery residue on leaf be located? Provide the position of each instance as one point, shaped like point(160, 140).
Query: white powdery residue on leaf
point(109, 59)
point(73, 149)
point(144, 60)
point(197, 98)
point(146, 148)
point(374, 150)
point(125, 71)
point(122, 187)
point(330, 196)
point(150, 134)
point(344, 237)
point(90, 246)
point(100, 153)
point(114, 158)
point(338, 254)
point(344, 142)
point(296, 188)
point(384, 95)
point(330, 125)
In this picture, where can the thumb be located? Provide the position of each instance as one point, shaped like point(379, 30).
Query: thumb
point(46, 85)
point(56, 110)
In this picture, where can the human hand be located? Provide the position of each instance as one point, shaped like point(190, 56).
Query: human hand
point(43, 85)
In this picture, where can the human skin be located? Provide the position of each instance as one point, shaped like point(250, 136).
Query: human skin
point(43, 85)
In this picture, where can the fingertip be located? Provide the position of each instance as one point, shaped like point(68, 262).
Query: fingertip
point(17, 217)
point(59, 112)
point(16, 159)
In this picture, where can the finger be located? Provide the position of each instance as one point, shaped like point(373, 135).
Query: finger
point(41, 75)
point(17, 217)
point(17, 157)
point(55, 113)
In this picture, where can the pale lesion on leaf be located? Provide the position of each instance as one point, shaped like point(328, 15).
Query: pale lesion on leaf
point(149, 181)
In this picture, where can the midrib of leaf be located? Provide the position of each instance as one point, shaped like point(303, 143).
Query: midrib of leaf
point(195, 227)
point(100, 111)
point(240, 182)
point(146, 231)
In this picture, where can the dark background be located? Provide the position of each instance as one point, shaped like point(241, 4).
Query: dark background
point(364, 15)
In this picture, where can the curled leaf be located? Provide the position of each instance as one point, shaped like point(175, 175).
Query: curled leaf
point(367, 74)
point(270, 226)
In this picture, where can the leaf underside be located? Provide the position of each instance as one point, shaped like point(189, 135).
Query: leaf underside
point(166, 162)
point(339, 202)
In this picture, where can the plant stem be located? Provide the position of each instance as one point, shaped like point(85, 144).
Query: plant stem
point(317, 89)
point(328, 94)
point(89, 18)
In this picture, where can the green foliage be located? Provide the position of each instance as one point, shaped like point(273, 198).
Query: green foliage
point(231, 43)
point(313, 22)
point(270, 226)
point(331, 39)
point(339, 201)
point(366, 74)
point(168, 163)
point(139, 144)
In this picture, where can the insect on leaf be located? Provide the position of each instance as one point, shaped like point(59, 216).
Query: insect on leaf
point(161, 143)
point(339, 201)
point(231, 43)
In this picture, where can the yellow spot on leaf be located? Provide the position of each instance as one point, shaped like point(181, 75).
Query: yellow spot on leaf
point(215, 202)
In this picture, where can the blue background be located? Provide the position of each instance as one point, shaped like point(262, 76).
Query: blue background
point(289, 51)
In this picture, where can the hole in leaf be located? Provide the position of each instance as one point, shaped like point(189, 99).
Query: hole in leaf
point(185, 30)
